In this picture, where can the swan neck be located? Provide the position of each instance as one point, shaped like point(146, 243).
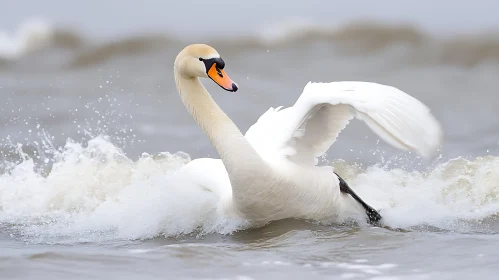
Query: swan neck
point(229, 142)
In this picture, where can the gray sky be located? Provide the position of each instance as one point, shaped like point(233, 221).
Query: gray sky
point(103, 18)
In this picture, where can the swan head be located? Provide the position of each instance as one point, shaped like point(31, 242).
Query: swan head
point(203, 61)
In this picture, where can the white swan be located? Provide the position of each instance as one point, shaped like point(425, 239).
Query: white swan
point(271, 173)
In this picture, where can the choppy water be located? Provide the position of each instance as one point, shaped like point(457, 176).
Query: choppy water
point(91, 131)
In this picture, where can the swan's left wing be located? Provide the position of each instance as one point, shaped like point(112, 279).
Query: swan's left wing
point(305, 131)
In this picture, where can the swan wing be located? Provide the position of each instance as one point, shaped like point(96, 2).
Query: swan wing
point(305, 131)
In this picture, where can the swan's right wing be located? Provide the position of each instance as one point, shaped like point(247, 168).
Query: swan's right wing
point(305, 131)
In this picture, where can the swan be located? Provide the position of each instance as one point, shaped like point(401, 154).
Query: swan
point(271, 172)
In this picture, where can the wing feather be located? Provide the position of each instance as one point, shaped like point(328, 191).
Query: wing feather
point(305, 131)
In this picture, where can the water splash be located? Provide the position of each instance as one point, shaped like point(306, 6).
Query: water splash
point(96, 192)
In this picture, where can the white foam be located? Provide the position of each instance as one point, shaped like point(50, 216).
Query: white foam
point(96, 193)
point(32, 35)
point(454, 191)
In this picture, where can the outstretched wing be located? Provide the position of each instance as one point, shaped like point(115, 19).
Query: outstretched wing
point(305, 131)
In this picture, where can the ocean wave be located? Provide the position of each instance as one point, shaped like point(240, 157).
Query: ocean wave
point(35, 35)
point(124, 47)
point(367, 35)
point(95, 193)
point(457, 195)
point(358, 38)
point(32, 35)
point(368, 38)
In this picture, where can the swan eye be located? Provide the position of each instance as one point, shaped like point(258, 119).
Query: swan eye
point(201, 59)
point(219, 72)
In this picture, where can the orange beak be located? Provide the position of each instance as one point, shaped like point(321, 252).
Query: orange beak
point(218, 76)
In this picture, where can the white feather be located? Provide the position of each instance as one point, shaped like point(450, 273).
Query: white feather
point(305, 131)
point(270, 173)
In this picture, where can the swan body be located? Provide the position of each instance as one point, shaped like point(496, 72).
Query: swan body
point(271, 172)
